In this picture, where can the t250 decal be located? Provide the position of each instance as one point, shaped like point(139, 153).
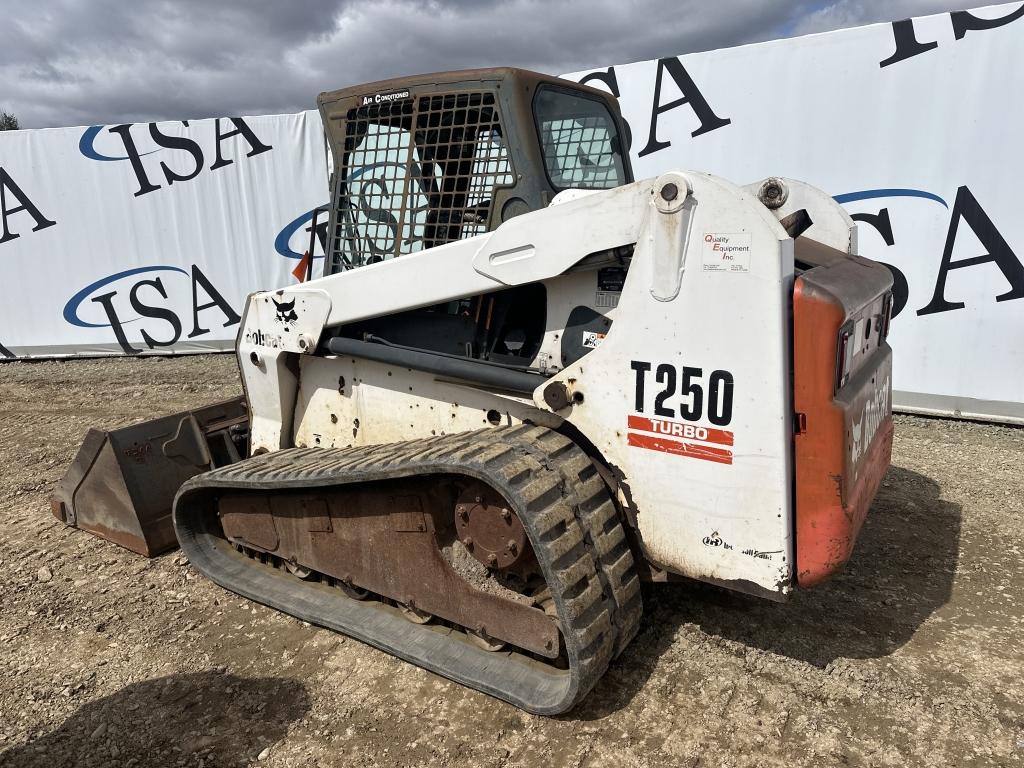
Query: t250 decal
point(684, 392)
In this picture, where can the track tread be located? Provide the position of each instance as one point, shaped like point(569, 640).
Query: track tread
point(546, 478)
point(599, 520)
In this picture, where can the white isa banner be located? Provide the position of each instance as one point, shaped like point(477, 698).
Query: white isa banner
point(915, 127)
point(146, 238)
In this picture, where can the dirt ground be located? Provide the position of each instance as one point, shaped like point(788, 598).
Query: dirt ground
point(915, 656)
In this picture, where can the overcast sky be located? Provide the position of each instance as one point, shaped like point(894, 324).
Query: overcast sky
point(79, 62)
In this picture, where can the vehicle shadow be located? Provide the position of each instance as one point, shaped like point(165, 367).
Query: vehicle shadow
point(217, 718)
point(900, 573)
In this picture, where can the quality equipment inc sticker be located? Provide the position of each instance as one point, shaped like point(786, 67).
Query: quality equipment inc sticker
point(727, 253)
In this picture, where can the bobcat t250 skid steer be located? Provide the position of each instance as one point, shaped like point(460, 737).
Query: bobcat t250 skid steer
point(525, 383)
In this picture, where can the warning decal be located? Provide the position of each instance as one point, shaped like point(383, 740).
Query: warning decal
point(680, 439)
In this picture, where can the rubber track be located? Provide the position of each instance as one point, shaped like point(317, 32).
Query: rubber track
point(551, 485)
point(598, 518)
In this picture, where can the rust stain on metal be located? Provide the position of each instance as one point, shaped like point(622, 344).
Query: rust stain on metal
point(404, 561)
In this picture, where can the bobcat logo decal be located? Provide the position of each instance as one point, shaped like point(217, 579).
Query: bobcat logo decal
point(285, 312)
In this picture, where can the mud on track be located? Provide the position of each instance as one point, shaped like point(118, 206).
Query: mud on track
point(915, 656)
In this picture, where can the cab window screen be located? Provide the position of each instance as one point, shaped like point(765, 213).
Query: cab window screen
point(579, 139)
point(417, 174)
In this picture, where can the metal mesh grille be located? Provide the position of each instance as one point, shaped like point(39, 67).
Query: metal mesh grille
point(417, 174)
point(579, 139)
point(578, 152)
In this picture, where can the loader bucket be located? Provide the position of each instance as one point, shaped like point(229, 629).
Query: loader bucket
point(122, 483)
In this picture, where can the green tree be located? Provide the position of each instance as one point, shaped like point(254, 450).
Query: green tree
point(8, 122)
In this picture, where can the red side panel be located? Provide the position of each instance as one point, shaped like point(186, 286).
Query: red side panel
point(843, 442)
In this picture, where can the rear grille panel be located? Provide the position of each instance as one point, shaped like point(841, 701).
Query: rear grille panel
point(417, 174)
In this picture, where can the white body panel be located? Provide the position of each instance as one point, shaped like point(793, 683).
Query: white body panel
point(722, 522)
point(528, 248)
point(708, 288)
point(344, 402)
point(831, 224)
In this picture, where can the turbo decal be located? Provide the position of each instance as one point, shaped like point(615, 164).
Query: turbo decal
point(665, 434)
point(678, 429)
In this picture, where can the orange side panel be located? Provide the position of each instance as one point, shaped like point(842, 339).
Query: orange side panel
point(837, 475)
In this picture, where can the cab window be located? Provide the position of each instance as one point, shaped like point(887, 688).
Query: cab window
point(579, 140)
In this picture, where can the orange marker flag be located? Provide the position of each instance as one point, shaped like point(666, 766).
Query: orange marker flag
point(302, 269)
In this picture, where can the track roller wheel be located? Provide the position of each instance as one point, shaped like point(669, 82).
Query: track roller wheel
point(301, 571)
point(481, 639)
point(351, 590)
point(414, 614)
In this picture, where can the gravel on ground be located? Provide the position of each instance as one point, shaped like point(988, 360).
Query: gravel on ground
point(913, 656)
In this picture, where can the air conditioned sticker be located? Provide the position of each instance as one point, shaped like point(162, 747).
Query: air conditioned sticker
point(383, 98)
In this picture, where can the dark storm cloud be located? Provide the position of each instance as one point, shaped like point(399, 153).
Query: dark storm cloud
point(71, 62)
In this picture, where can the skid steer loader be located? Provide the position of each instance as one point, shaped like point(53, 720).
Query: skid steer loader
point(526, 382)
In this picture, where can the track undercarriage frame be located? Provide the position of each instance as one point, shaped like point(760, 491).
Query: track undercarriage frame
point(352, 539)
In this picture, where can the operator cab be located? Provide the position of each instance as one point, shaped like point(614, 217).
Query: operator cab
point(427, 160)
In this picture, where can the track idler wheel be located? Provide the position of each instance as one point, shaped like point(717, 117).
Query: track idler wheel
point(489, 530)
